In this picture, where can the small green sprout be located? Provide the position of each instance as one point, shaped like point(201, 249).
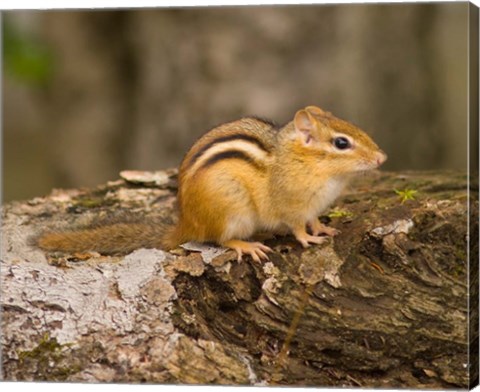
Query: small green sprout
point(338, 213)
point(406, 194)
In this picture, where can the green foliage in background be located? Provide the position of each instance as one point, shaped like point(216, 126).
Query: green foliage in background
point(25, 58)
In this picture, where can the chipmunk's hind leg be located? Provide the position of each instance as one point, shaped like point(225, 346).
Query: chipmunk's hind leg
point(256, 250)
point(229, 214)
point(242, 225)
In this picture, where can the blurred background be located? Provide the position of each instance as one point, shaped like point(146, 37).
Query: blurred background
point(90, 93)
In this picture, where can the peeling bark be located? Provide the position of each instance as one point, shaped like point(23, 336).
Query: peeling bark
point(383, 304)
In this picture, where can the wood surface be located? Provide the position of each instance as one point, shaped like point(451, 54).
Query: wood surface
point(383, 304)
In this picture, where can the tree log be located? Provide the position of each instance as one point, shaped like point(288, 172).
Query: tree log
point(383, 304)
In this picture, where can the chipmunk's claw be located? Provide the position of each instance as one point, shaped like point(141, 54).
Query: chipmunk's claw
point(256, 250)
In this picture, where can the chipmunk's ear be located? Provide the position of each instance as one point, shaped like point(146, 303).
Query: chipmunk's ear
point(315, 111)
point(305, 125)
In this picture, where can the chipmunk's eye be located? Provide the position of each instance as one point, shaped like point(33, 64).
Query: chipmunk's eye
point(342, 143)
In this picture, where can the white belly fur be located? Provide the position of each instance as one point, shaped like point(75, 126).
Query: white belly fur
point(325, 196)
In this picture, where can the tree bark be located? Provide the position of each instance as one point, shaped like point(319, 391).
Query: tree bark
point(383, 304)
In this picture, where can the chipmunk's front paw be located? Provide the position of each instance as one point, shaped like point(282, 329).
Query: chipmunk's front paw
point(306, 239)
point(318, 227)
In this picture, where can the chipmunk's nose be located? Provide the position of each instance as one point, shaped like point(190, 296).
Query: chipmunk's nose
point(381, 157)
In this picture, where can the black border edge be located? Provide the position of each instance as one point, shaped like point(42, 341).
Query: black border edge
point(473, 168)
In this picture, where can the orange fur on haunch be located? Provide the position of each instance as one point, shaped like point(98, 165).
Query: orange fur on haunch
point(242, 177)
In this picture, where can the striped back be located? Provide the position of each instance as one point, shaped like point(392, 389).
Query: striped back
point(249, 139)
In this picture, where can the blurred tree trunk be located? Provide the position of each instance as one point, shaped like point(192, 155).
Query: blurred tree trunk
point(133, 89)
point(90, 99)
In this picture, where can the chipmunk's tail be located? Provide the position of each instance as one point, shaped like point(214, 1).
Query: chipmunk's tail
point(111, 238)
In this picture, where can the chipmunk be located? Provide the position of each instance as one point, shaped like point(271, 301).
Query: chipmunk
point(247, 176)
